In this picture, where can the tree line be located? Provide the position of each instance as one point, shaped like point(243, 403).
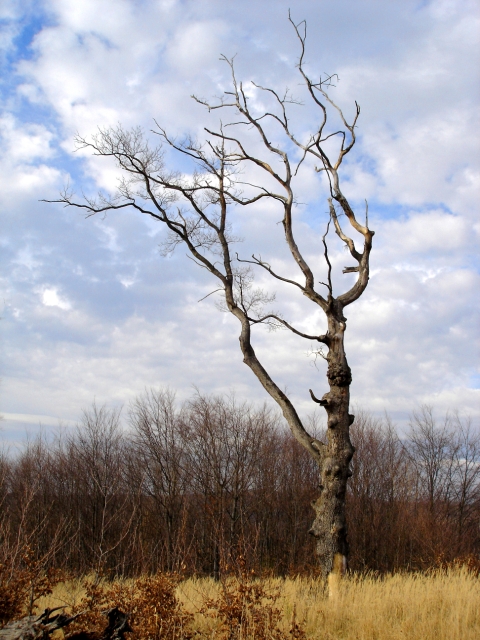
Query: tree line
point(216, 483)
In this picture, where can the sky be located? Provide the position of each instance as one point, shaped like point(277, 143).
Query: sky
point(90, 308)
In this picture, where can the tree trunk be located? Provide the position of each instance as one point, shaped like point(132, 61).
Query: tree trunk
point(329, 526)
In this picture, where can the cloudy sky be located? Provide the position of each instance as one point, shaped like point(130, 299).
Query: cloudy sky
point(90, 309)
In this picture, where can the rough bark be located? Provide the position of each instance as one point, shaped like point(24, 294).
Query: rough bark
point(36, 627)
point(329, 526)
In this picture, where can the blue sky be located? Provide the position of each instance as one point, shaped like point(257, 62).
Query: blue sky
point(91, 309)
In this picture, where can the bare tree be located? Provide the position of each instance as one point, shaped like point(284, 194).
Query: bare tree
point(432, 447)
point(380, 488)
point(225, 441)
point(106, 513)
point(466, 481)
point(446, 456)
point(158, 438)
point(197, 211)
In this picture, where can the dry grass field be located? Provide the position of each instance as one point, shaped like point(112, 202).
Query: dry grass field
point(442, 605)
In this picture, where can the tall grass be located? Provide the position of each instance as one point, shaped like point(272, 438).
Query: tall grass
point(441, 605)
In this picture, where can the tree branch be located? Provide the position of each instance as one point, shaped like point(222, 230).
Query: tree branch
point(322, 338)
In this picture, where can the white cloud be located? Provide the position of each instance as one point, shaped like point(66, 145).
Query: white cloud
point(50, 298)
point(423, 233)
point(427, 161)
point(115, 317)
point(25, 149)
point(196, 46)
point(25, 143)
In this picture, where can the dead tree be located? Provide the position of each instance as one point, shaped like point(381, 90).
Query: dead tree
point(36, 627)
point(197, 211)
point(42, 626)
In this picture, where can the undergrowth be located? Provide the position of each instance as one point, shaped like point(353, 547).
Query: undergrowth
point(438, 605)
point(23, 584)
point(151, 602)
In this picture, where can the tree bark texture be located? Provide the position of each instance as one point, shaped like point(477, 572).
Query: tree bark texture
point(329, 526)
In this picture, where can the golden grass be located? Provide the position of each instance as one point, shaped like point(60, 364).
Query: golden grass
point(442, 605)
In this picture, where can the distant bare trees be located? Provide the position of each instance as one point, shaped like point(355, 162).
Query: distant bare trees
point(161, 470)
point(380, 496)
point(446, 458)
point(201, 487)
point(225, 440)
point(419, 493)
point(96, 453)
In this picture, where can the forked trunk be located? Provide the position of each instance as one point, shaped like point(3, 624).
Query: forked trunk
point(329, 526)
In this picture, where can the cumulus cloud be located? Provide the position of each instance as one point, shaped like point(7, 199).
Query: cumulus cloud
point(91, 307)
point(50, 298)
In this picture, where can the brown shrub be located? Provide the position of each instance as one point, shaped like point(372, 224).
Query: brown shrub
point(153, 608)
point(248, 609)
point(22, 583)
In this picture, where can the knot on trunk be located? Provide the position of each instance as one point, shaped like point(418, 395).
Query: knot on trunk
point(339, 375)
